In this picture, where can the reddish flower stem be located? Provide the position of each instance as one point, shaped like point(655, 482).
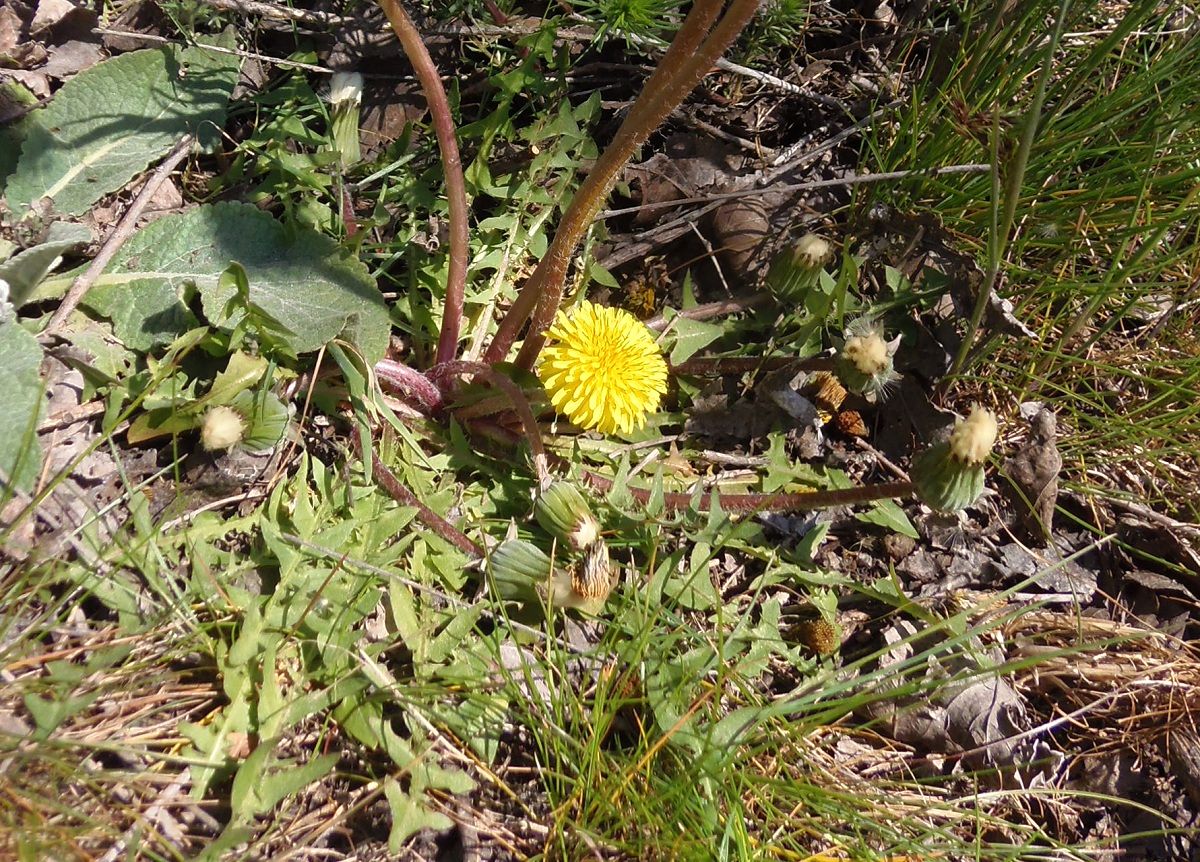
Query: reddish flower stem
point(409, 383)
point(542, 292)
point(805, 500)
point(399, 492)
point(518, 400)
point(672, 88)
point(456, 187)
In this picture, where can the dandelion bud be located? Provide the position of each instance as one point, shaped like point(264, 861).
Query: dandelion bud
point(865, 362)
point(222, 427)
point(345, 96)
point(564, 513)
point(949, 476)
point(518, 568)
point(796, 270)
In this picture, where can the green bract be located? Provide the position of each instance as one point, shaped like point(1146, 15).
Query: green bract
point(796, 270)
point(564, 513)
point(945, 483)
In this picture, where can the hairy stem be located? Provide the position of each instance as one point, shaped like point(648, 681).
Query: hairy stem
point(519, 403)
point(399, 492)
point(545, 287)
point(670, 95)
point(803, 501)
point(456, 187)
point(399, 379)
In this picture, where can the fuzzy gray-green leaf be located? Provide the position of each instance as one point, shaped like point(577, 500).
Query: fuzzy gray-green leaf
point(21, 394)
point(25, 270)
point(109, 122)
point(301, 279)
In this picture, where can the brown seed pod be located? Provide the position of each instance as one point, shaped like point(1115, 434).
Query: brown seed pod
point(592, 579)
point(850, 423)
point(825, 391)
point(818, 635)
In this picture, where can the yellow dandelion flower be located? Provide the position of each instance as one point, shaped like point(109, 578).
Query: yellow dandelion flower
point(602, 369)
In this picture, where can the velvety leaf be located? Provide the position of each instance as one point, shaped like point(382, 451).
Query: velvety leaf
point(24, 270)
point(21, 394)
point(108, 123)
point(316, 290)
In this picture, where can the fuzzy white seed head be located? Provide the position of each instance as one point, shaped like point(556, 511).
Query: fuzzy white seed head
point(972, 439)
point(345, 87)
point(868, 353)
point(222, 428)
point(812, 250)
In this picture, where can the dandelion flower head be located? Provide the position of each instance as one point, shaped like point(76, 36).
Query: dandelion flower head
point(602, 369)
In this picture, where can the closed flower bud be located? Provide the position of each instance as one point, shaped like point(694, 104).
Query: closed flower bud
point(796, 270)
point(518, 568)
point(345, 96)
point(222, 427)
point(949, 476)
point(564, 513)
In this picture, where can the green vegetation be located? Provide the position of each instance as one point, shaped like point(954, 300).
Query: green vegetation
point(297, 556)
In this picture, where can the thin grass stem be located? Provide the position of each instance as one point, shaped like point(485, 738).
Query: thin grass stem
point(1012, 194)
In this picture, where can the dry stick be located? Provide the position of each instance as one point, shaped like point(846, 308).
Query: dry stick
point(705, 366)
point(119, 235)
point(456, 187)
point(803, 501)
point(519, 403)
point(660, 102)
point(281, 13)
point(856, 180)
point(552, 269)
point(712, 309)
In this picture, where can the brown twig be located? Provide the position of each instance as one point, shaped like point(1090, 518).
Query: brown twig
point(124, 229)
point(544, 288)
point(707, 366)
point(712, 309)
point(803, 501)
point(456, 187)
